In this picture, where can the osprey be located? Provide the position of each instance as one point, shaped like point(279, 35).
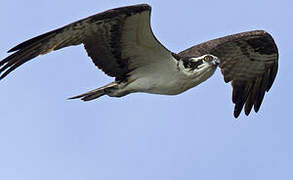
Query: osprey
point(121, 43)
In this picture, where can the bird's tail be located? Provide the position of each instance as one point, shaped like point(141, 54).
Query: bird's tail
point(96, 93)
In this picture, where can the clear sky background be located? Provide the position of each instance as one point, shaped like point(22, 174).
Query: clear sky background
point(190, 136)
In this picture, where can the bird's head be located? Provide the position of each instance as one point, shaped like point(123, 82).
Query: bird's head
point(198, 69)
point(200, 66)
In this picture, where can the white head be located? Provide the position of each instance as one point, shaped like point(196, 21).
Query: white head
point(199, 68)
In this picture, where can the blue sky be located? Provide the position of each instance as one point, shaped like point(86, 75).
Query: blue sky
point(141, 136)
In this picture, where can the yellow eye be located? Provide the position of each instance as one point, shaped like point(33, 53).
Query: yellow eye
point(208, 58)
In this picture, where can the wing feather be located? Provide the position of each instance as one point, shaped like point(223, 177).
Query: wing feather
point(249, 60)
point(111, 38)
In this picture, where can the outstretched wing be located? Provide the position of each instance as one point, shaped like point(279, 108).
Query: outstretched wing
point(249, 61)
point(117, 40)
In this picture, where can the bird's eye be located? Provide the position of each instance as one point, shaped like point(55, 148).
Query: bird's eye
point(208, 58)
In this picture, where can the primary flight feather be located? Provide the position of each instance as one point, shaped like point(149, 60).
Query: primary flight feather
point(121, 43)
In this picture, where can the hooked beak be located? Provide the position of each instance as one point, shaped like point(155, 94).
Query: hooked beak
point(217, 61)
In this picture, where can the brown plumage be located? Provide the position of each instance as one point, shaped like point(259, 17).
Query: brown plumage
point(249, 61)
point(121, 43)
point(99, 33)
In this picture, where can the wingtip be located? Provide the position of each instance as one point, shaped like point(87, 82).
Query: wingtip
point(236, 114)
point(12, 50)
point(247, 112)
point(73, 97)
point(3, 75)
point(256, 108)
point(237, 110)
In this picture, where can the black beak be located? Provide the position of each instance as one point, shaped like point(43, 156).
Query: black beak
point(217, 61)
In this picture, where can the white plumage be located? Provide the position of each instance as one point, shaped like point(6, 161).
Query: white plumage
point(121, 43)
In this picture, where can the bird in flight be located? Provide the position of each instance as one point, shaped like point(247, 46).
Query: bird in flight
point(121, 43)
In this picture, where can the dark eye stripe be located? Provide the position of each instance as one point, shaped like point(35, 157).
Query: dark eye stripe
point(194, 65)
point(190, 64)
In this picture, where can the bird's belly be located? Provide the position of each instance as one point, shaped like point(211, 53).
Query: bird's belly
point(158, 83)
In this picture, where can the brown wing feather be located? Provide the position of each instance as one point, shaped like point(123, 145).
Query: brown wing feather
point(104, 49)
point(249, 60)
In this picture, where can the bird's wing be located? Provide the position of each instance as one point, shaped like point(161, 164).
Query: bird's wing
point(117, 40)
point(249, 61)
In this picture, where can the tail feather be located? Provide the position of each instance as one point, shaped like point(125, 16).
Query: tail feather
point(90, 95)
point(96, 93)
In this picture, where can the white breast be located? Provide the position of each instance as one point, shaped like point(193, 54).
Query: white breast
point(163, 78)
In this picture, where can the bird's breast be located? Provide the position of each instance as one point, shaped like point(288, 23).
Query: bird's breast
point(169, 81)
